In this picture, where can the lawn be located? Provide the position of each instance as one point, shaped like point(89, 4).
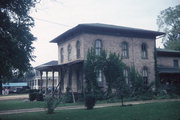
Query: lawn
point(151, 111)
point(22, 104)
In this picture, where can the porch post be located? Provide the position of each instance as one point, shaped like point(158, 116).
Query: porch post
point(59, 81)
point(46, 89)
point(53, 80)
point(40, 81)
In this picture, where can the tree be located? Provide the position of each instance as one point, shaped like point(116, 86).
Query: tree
point(113, 71)
point(90, 72)
point(169, 22)
point(15, 37)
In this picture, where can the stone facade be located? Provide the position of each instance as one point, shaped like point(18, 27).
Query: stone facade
point(111, 44)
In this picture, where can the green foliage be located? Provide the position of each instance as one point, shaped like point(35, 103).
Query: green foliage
point(32, 96)
point(90, 72)
point(90, 101)
point(113, 72)
point(51, 102)
point(137, 86)
point(39, 97)
point(15, 37)
point(169, 22)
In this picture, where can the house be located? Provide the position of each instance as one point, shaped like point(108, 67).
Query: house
point(136, 46)
point(168, 66)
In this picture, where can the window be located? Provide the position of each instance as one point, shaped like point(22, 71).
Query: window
point(98, 46)
point(126, 75)
point(69, 52)
point(176, 63)
point(99, 75)
point(125, 53)
point(62, 55)
point(145, 74)
point(144, 51)
point(78, 49)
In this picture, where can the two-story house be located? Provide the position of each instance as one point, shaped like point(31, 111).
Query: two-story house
point(136, 46)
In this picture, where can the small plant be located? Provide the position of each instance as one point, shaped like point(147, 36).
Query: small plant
point(90, 101)
point(51, 103)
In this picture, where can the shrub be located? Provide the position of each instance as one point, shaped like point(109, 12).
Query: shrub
point(89, 101)
point(39, 97)
point(51, 103)
point(32, 96)
point(68, 97)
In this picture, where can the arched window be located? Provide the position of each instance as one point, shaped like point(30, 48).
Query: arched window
point(145, 74)
point(69, 52)
point(98, 46)
point(62, 55)
point(99, 76)
point(126, 75)
point(78, 50)
point(125, 51)
point(144, 54)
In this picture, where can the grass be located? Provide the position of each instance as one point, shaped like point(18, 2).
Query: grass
point(151, 111)
point(22, 104)
point(19, 104)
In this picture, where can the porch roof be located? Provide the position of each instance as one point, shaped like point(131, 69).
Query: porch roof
point(168, 70)
point(167, 52)
point(50, 66)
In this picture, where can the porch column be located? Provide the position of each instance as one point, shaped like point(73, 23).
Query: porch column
point(46, 89)
point(59, 81)
point(40, 81)
point(53, 80)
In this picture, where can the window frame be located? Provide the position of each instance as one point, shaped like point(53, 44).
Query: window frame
point(145, 74)
point(98, 46)
point(78, 49)
point(62, 55)
point(69, 49)
point(175, 63)
point(144, 51)
point(125, 50)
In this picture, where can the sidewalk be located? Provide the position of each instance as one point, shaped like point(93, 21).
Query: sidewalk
point(82, 106)
point(13, 97)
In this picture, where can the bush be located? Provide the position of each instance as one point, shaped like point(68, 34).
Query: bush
point(32, 96)
point(39, 97)
point(51, 103)
point(89, 101)
point(68, 97)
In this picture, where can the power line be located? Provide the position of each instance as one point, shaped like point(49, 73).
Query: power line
point(52, 22)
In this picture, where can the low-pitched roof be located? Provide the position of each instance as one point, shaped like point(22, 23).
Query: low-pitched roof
point(167, 52)
point(97, 28)
point(53, 65)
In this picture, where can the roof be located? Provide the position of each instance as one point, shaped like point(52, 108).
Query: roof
point(50, 63)
point(49, 67)
point(21, 84)
point(167, 52)
point(97, 28)
point(168, 70)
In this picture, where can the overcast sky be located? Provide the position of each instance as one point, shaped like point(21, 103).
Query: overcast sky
point(53, 17)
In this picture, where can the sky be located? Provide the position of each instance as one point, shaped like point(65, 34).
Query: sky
point(53, 17)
